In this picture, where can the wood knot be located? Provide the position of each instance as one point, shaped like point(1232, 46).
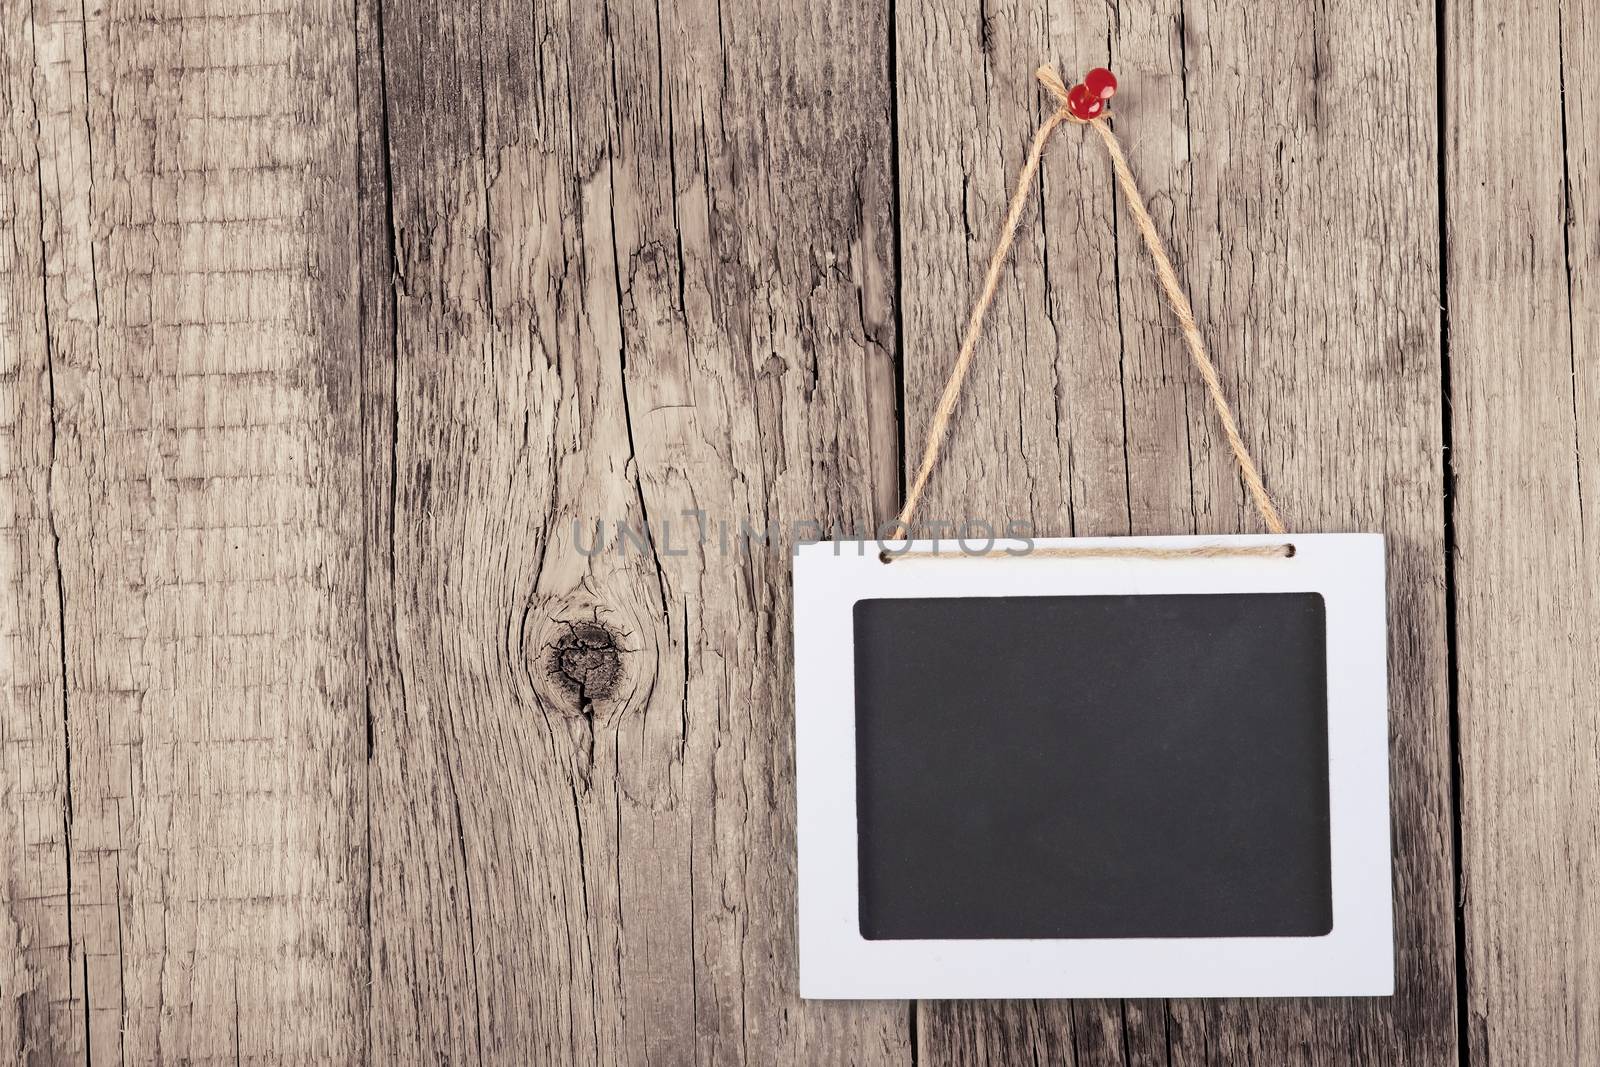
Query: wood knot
point(584, 662)
point(583, 659)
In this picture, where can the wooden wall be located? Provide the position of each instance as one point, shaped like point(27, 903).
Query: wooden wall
point(330, 330)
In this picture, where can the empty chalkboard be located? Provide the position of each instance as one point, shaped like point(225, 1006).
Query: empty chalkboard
point(1093, 766)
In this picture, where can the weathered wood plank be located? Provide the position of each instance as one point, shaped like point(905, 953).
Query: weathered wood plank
point(1524, 322)
point(643, 260)
point(195, 190)
point(41, 1012)
point(1317, 284)
point(1040, 433)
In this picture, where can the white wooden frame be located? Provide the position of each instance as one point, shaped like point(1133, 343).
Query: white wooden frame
point(1355, 958)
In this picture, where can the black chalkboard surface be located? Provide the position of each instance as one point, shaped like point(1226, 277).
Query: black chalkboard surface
point(1093, 766)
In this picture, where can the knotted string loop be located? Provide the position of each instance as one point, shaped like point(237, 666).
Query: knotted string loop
point(939, 428)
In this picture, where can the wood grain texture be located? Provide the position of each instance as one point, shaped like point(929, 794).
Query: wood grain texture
point(1039, 435)
point(1317, 285)
point(188, 438)
point(641, 258)
point(1524, 317)
point(40, 998)
point(328, 333)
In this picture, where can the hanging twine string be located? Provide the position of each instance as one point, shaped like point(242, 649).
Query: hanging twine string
point(939, 429)
point(1211, 551)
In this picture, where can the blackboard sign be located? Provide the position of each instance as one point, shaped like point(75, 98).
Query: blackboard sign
point(1094, 766)
point(1093, 777)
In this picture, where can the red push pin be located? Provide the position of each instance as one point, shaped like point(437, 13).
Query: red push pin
point(1088, 100)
